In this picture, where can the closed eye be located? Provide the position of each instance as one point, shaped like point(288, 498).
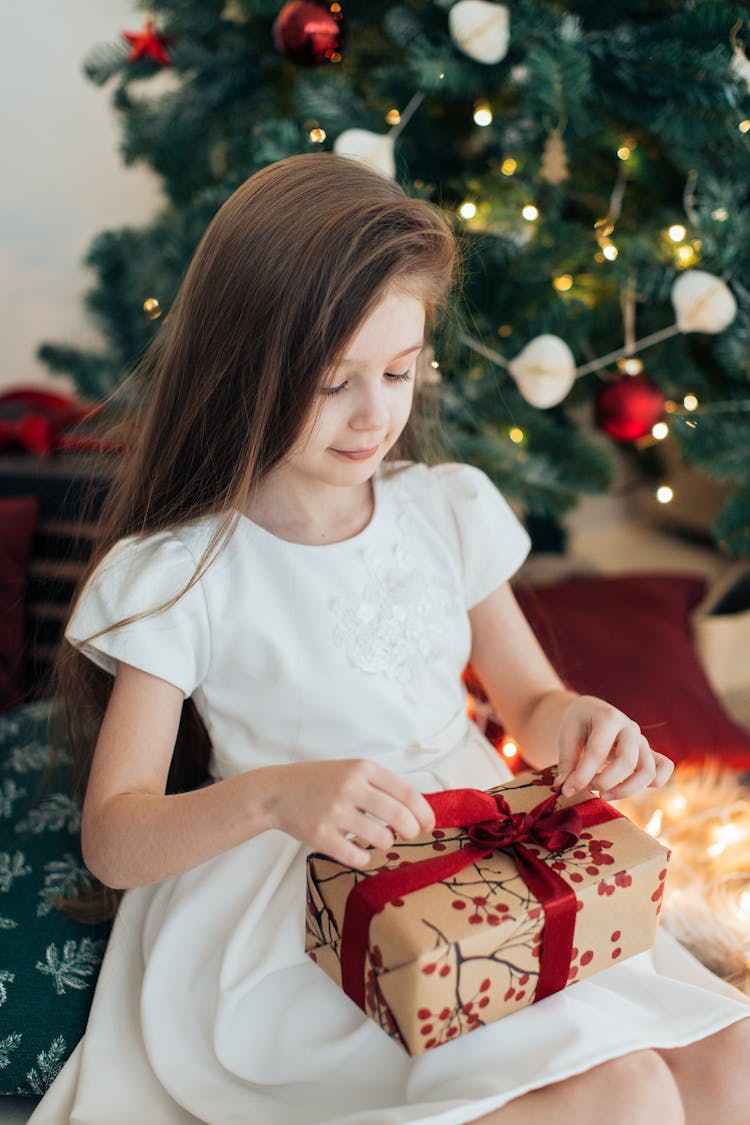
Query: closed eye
point(391, 376)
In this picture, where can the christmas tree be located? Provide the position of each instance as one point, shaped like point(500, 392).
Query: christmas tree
point(595, 160)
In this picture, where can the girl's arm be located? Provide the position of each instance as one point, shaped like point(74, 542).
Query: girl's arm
point(593, 743)
point(132, 833)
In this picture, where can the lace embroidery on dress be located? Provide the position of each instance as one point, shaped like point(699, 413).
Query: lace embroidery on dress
point(397, 625)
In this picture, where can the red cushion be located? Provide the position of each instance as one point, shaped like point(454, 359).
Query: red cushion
point(627, 639)
point(18, 515)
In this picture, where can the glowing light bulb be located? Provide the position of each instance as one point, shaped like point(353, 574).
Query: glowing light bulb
point(664, 494)
point(393, 117)
point(677, 232)
point(610, 252)
point(467, 210)
point(530, 212)
point(508, 166)
point(690, 402)
point(660, 431)
point(152, 308)
point(316, 136)
point(516, 435)
point(685, 255)
point(744, 126)
point(632, 365)
point(482, 114)
point(563, 283)
point(509, 749)
point(624, 152)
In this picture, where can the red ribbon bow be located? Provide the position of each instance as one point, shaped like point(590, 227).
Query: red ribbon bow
point(491, 824)
point(555, 829)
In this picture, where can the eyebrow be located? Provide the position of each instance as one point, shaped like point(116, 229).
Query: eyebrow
point(406, 351)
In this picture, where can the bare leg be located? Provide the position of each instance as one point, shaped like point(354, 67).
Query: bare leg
point(713, 1076)
point(630, 1090)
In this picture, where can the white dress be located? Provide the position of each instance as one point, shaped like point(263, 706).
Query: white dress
point(207, 1008)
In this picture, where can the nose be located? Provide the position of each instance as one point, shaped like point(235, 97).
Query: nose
point(370, 411)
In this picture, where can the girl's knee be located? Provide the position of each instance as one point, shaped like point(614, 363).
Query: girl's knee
point(724, 1060)
point(641, 1087)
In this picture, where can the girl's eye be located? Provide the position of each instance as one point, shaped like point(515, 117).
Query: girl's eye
point(392, 376)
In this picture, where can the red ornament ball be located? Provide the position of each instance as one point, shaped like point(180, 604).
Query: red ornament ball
point(629, 406)
point(309, 34)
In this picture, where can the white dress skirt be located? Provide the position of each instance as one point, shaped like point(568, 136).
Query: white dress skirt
point(207, 1008)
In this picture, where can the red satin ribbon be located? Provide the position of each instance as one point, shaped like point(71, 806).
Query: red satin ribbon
point(491, 824)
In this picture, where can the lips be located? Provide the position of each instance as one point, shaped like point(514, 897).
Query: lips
point(357, 454)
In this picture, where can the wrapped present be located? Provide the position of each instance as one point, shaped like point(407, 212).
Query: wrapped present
point(513, 896)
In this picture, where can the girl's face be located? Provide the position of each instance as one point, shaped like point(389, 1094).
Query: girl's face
point(366, 399)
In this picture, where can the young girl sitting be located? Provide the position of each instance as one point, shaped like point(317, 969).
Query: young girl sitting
point(276, 627)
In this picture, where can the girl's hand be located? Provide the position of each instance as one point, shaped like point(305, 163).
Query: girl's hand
point(602, 749)
point(326, 804)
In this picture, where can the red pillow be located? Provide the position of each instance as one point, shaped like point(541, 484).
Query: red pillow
point(627, 639)
point(18, 515)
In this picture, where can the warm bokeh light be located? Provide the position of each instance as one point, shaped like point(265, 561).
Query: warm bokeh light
point(624, 152)
point(660, 431)
point(482, 114)
point(530, 212)
point(664, 494)
point(508, 166)
point(152, 308)
point(516, 435)
point(393, 117)
point(563, 283)
point(505, 330)
point(677, 232)
point(509, 748)
point(744, 126)
point(316, 136)
point(690, 402)
point(467, 210)
point(631, 365)
point(720, 214)
point(610, 252)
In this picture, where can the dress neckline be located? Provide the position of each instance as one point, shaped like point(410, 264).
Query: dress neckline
point(263, 533)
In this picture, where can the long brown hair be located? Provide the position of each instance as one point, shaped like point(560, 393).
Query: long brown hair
point(284, 276)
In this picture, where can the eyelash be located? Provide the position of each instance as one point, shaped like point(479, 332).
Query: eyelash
point(392, 376)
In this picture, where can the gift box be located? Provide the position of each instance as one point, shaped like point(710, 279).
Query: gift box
point(513, 896)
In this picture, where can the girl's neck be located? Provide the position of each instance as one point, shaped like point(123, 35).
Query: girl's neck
point(309, 516)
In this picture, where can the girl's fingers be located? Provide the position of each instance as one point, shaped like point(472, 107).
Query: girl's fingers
point(664, 770)
point(644, 775)
point(368, 830)
point(346, 851)
point(596, 749)
point(399, 804)
point(631, 751)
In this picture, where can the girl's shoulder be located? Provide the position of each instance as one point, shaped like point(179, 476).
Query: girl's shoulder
point(451, 482)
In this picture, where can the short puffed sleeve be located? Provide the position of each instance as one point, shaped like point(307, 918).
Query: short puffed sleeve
point(492, 541)
point(139, 576)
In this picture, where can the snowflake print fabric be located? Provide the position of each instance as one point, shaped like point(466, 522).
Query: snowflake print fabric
point(48, 962)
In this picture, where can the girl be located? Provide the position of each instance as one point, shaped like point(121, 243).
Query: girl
point(282, 584)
